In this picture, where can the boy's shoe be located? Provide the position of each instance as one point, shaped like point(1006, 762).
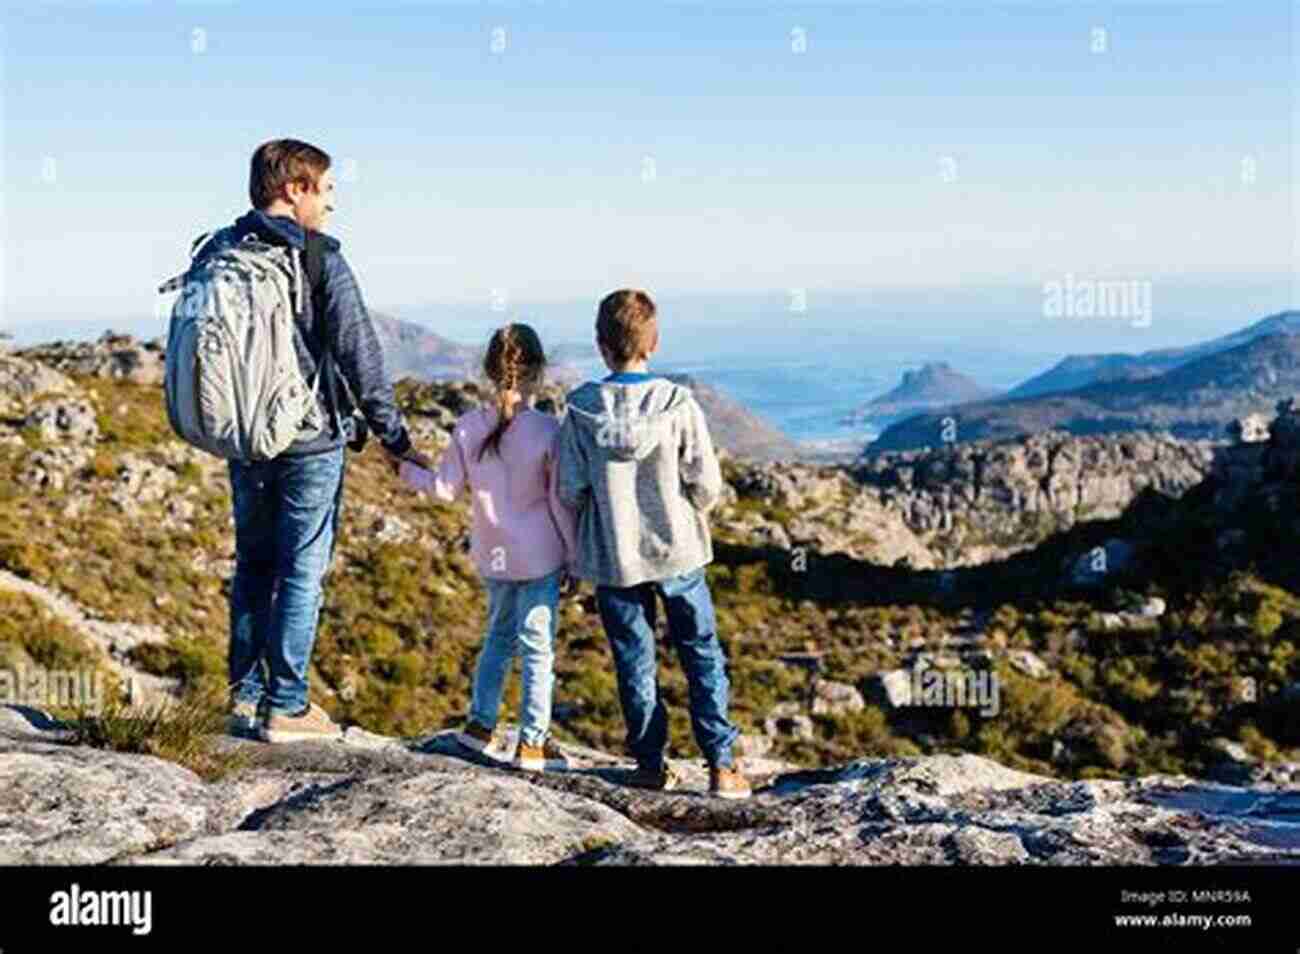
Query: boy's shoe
point(312, 724)
point(241, 719)
point(727, 782)
point(659, 780)
point(478, 738)
point(546, 757)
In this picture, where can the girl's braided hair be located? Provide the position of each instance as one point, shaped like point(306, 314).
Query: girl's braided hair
point(515, 358)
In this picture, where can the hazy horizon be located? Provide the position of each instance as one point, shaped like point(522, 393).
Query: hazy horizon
point(539, 156)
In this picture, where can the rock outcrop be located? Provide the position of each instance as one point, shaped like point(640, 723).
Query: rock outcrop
point(988, 499)
point(115, 356)
point(424, 801)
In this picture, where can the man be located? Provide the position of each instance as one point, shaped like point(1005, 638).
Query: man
point(286, 509)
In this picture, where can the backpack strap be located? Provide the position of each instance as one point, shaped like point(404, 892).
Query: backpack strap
point(313, 263)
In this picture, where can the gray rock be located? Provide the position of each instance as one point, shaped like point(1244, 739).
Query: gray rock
point(1112, 620)
point(418, 802)
point(835, 698)
point(433, 817)
point(140, 481)
point(1022, 660)
point(64, 419)
point(989, 499)
point(77, 806)
point(22, 380)
point(973, 845)
point(1152, 608)
point(1251, 429)
point(50, 468)
point(25, 722)
point(788, 719)
point(115, 356)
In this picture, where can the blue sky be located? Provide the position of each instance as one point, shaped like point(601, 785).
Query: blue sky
point(690, 148)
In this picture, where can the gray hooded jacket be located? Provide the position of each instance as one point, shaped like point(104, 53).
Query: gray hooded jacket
point(637, 464)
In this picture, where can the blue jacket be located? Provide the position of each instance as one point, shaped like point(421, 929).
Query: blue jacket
point(354, 343)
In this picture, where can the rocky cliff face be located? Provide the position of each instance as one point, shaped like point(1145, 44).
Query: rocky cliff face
point(983, 500)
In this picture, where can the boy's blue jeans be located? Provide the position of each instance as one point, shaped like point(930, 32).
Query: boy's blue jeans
point(286, 519)
point(521, 621)
point(628, 614)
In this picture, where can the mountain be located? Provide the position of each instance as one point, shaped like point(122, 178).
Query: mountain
point(933, 385)
point(415, 351)
point(1079, 370)
point(734, 427)
point(1195, 399)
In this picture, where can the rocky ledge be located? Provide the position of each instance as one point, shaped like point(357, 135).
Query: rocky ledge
point(373, 800)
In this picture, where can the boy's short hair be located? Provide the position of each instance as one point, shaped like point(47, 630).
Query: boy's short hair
point(280, 161)
point(626, 325)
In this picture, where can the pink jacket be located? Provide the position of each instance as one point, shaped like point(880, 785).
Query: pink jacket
point(520, 528)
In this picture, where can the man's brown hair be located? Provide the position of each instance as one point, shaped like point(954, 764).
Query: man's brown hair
point(626, 325)
point(280, 161)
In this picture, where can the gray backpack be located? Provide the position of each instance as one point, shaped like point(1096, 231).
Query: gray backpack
point(232, 383)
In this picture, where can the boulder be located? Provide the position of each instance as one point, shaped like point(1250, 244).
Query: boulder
point(835, 698)
point(1024, 661)
point(63, 419)
point(788, 719)
point(115, 356)
point(1251, 429)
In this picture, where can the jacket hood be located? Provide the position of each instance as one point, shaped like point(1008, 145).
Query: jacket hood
point(277, 229)
point(627, 421)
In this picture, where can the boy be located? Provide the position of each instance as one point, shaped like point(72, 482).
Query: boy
point(637, 464)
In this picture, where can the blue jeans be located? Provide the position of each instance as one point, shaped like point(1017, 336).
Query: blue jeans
point(286, 518)
point(521, 621)
point(628, 614)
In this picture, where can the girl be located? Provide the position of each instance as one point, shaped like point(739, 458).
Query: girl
point(521, 540)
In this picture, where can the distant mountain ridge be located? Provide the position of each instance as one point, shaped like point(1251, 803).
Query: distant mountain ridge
point(736, 428)
point(1195, 399)
point(934, 384)
point(414, 350)
point(1080, 370)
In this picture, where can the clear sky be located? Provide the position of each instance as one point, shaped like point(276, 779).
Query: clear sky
point(552, 151)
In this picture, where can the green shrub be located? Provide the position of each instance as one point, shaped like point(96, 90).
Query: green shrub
point(182, 731)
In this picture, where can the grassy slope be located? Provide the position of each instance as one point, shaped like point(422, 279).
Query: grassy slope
point(401, 627)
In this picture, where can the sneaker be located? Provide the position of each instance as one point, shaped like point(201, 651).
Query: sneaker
point(312, 724)
point(546, 757)
point(241, 720)
point(728, 782)
point(662, 779)
point(478, 738)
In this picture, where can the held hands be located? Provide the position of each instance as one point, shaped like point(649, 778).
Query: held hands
point(568, 584)
point(394, 461)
